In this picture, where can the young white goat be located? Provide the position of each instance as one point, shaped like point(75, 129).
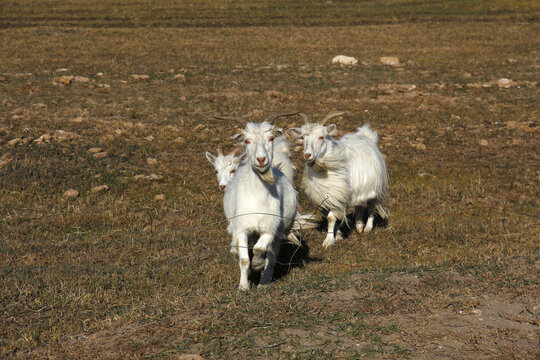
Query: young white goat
point(225, 166)
point(259, 201)
point(343, 174)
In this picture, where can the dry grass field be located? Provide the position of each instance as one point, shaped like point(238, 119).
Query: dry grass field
point(115, 100)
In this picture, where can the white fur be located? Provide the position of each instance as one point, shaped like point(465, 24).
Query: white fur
point(259, 201)
point(225, 166)
point(344, 60)
point(344, 174)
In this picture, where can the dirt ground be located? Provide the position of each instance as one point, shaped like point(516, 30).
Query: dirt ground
point(113, 242)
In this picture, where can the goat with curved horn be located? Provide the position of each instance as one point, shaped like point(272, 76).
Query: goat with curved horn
point(330, 116)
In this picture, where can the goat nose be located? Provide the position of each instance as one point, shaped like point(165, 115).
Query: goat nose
point(307, 156)
point(261, 160)
point(222, 187)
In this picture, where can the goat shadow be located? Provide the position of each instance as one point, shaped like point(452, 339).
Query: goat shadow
point(290, 257)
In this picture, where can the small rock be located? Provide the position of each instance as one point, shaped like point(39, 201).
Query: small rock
point(179, 140)
point(159, 197)
point(45, 138)
point(139, 177)
point(505, 83)
point(483, 142)
point(71, 193)
point(151, 161)
point(140, 77)
point(154, 177)
point(66, 80)
point(94, 150)
point(15, 141)
point(82, 79)
point(99, 74)
point(149, 138)
point(78, 119)
point(390, 60)
point(100, 155)
point(179, 77)
point(199, 127)
point(344, 60)
point(61, 70)
point(99, 188)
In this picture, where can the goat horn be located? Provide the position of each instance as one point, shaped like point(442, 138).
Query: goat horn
point(331, 116)
point(305, 117)
point(238, 119)
point(273, 117)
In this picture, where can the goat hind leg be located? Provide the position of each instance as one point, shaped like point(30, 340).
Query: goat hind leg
point(330, 235)
point(359, 218)
point(370, 219)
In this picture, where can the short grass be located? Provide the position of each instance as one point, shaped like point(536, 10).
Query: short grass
point(118, 274)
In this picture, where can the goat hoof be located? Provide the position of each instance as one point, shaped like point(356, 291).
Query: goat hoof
point(259, 261)
point(359, 227)
point(328, 242)
point(368, 229)
point(243, 287)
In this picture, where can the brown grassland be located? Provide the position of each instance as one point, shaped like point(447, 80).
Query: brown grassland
point(119, 273)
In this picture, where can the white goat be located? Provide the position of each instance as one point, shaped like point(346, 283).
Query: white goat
point(343, 174)
point(259, 200)
point(225, 166)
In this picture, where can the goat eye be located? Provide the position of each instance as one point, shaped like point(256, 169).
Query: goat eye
point(302, 137)
point(321, 137)
point(247, 141)
point(233, 171)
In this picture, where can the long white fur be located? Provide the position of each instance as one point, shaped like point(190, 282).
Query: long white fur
point(259, 201)
point(344, 174)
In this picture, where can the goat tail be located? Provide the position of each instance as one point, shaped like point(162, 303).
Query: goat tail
point(301, 222)
point(292, 238)
point(367, 131)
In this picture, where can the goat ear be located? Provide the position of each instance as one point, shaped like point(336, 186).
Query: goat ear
point(331, 129)
point(294, 132)
point(239, 138)
point(211, 158)
point(278, 132)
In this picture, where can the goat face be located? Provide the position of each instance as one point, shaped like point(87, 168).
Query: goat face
point(258, 139)
point(315, 139)
point(225, 166)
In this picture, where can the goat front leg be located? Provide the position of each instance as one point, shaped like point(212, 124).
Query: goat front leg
point(359, 218)
point(371, 217)
point(260, 251)
point(243, 256)
point(330, 235)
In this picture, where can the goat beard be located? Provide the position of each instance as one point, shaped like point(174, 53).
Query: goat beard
point(267, 175)
point(316, 166)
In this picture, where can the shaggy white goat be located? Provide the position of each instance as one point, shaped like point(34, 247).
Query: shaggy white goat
point(343, 174)
point(260, 201)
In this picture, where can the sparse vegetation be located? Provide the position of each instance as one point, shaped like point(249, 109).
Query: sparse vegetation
point(122, 273)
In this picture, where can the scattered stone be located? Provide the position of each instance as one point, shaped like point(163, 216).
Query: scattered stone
point(180, 140)
point(62, 135)
point(118, 131)
point(15, 141)
point(159, 197)
point(99, 74)
point(100, 155)
point(199, 127)
point(82, 79)
point(154, 177)
point(344, 60)
point(149, 138)
point(151, 161)
point(483, 142)
point(418, 145)
point(179, 77)
point(100, 188)
point(105, 86)
point(61, 70)
point(505, 83)
point(390, 60)
point(45, 138)
point(140, 77)
point(139, 177)
point(78, 119)
point(66, 80)
point(71, 193)
point(94, 150)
